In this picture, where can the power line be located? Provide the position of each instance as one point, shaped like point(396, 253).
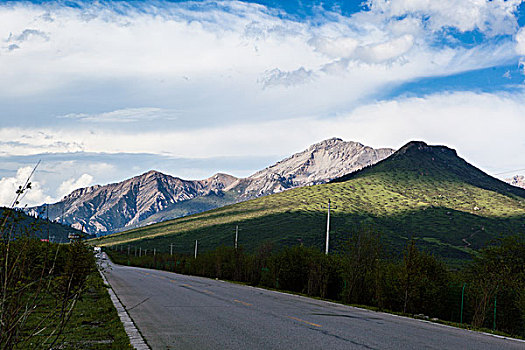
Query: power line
point(511, 171)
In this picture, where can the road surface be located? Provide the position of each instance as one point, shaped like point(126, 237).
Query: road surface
point(175, 311)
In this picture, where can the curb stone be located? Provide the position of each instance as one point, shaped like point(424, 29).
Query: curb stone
point(135, 338)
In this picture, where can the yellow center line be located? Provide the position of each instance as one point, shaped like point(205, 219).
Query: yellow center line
point(208, 292)
point(309, 323)
point(242, 302)
point(186, 285)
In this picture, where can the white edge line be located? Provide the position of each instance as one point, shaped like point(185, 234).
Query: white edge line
point(135, 337)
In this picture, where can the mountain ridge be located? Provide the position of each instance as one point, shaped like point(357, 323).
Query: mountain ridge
point(425, 192)
point(157, 196)
point(449, 160)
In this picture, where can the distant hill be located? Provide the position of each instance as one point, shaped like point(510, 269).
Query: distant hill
point(426, 192)
point(21, 224)
point(154, 197)
point(114, 206)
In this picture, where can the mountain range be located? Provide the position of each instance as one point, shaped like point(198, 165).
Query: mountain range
point(423, 192)
point(154, 196)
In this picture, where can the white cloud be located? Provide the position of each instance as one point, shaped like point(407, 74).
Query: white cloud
point(101, 168)
point(387, 51)
point(278, 77)
point(490, 17)
point(27, 34)
point(520, 42)
point(487, 128)
point(226, 47)
point(9, 186)
point(126, 115)
point(21, 141)
point(338, 47)
point(71, 184)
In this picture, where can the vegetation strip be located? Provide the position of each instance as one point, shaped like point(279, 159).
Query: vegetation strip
point(136, 339)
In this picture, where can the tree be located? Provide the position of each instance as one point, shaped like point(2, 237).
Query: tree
point(424, 282)
point(361, 257)
point(499, 270)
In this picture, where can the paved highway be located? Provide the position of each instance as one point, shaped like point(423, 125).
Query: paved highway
point(184, 312)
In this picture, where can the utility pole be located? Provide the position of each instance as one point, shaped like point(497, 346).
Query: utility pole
point(462, 297)
point(495, 299)
point(140, 252)
point(328, 228)
point(327, 245)
point(154, 251)
point(82, 229)
point(47, 209)
point(171, 249)
point(236, 235)
point(196, 249)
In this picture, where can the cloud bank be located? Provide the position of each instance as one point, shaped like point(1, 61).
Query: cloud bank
point(237, 79)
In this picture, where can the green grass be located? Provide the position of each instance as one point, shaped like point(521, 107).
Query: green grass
point(429, 194)
point(94, 323)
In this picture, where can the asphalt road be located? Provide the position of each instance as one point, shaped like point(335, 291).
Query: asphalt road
point(175, 311)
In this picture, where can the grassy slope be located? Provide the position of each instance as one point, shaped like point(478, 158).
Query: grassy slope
point(428, 193)
point(38, 227)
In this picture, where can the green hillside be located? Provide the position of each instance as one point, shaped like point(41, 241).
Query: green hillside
point(425, 192)
point(18, 224)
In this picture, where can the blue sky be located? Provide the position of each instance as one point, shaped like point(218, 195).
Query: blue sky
point(102, 91)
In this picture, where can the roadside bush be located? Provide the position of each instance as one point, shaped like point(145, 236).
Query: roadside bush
point(41, 283)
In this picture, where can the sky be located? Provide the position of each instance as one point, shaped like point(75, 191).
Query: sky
point(102, 91)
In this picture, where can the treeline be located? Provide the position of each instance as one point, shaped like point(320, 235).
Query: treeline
point(488, 292)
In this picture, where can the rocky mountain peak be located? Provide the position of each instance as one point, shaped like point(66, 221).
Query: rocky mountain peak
point(328, 143)
point(81, 192)
point(320, 163)
point(152, 174)
point(420, 147)
point(219, 181)
point(517, 180)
